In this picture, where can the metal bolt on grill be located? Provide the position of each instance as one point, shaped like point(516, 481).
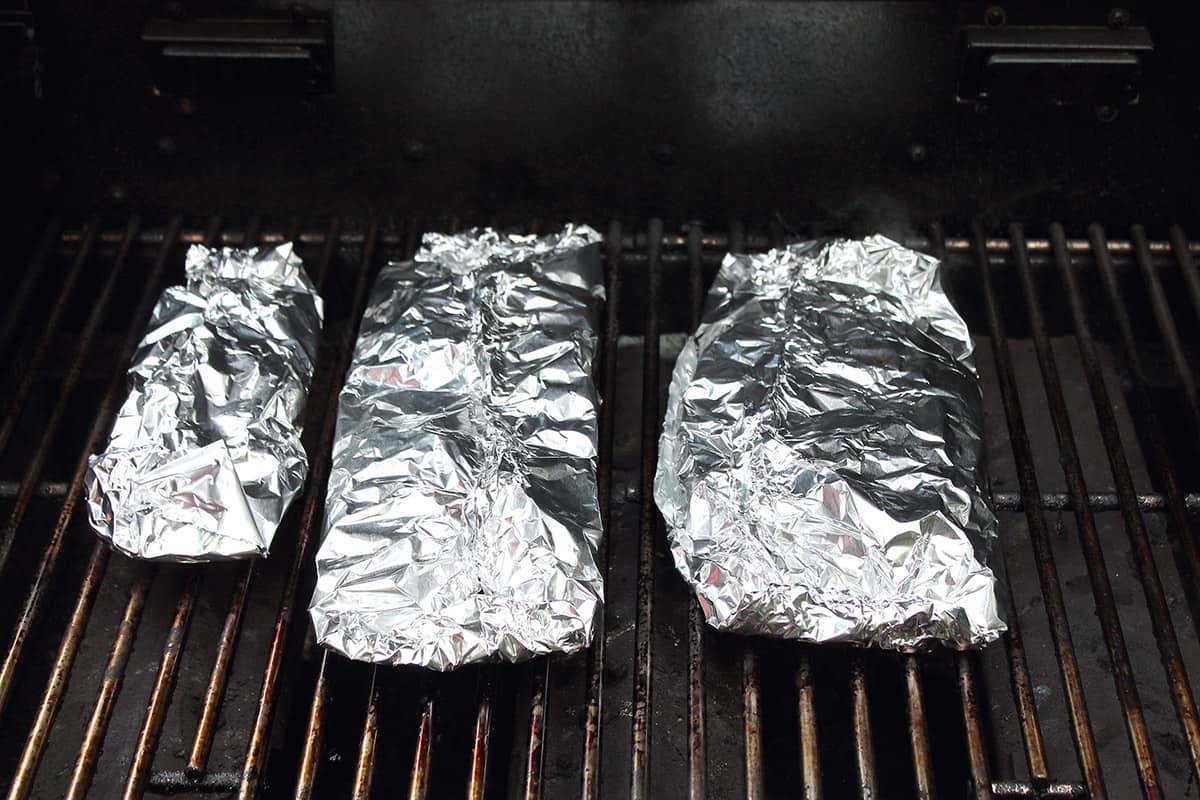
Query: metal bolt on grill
point(124, 678)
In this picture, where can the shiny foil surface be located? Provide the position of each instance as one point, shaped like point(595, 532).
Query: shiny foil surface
point(820, 464)
point(205, 454)
point(462, 520)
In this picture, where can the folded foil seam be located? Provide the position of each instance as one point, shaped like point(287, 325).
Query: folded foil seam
point(205, 454)
point(461, 520)
point(820, 463)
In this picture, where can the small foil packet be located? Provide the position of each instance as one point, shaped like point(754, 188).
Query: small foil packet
point(820, 466)
point(462, 521)
point(205, 454)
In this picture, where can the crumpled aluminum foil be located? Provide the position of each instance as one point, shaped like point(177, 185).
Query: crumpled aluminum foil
point(820, 463)
point(462, 520)
point(205, 454)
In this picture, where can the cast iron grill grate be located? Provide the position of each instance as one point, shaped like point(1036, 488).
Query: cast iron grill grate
point(119, 677)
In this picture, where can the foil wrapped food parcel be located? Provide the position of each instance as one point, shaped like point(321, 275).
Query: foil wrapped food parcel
point(205, 454)
point(820, 464)
point(462, 521)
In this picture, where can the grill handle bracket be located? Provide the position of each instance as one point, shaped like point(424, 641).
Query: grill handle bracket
point(1053, 65)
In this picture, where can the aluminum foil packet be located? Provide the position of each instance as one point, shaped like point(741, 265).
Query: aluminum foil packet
point(820, 464)
point(462, 520)
point(205, 453)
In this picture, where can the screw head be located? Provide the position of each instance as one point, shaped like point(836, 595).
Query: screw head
point(413, 149)
point(1119, 18)
point(917, 153)
point(1106, 113)
point(995, 16)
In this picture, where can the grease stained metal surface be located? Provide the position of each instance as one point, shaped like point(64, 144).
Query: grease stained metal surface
point(203, 680)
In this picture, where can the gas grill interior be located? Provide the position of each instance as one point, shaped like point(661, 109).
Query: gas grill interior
point(1046, 155)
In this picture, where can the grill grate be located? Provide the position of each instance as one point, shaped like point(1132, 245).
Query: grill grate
point(121, 676)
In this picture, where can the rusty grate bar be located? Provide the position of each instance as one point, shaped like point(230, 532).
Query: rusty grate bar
point(256, 751)
point(711, 241)
point(1184, 546)
point(418, 785)
point(1148, 502)
point(590, 778)
point(477, 779)
point(36, 600)
point(643, 679)
point(1156, 602)
point(364, 771)
point(318, 706)
point(1056, 607)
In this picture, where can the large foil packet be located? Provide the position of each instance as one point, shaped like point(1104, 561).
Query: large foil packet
point(820, 464)
point(462, 520)
point(205, 454)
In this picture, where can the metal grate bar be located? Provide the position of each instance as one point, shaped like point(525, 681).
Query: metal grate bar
point(697, 755)
point(477, 778)
point(810, 753)
point(164, 686)
point(751, 688)
point(1046, 791)
point(43, 489)
point(1183, 256)
point(16, 400)
point(1056, 609)
point(918, 728)
point(418, 786)
point(752, 722)
point(168, 669)
point(643, 678)
point(864, 747)
point(1096, 501)
point(1148, 502)
point(715, 241)
point(1184, 546)
point(49, 429)
point(976, 750)
point(110, 685)
point(256, 751)
point(35, 601)
point(314, 736)
point(19, 302)
point(1162, 315)
point(590, 788)
point(1106, 607)
point(1160, 618)
point(364, 772)
point(214, 694)
point(537, 728)
point(1031, 731)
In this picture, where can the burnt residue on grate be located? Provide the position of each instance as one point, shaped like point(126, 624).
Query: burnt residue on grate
point(126, 678)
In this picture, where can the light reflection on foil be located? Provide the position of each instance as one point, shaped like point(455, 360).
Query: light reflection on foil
point(819, 468)
point(462, 521)
point(205, 455)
